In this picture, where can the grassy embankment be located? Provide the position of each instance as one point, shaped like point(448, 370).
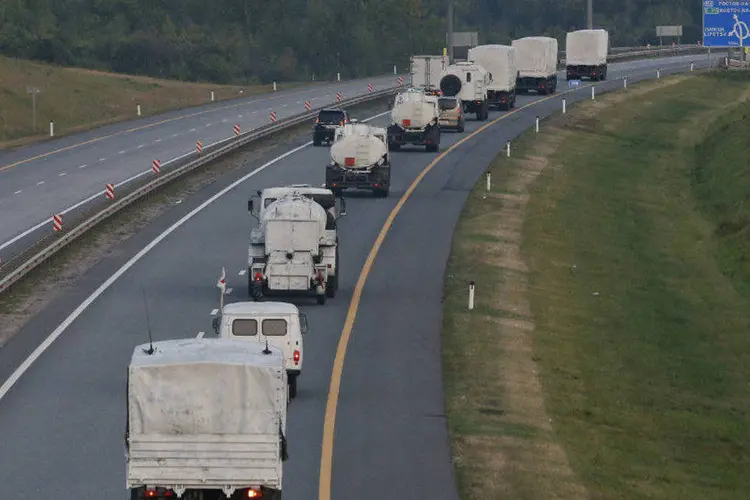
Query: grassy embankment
point(608, 355)
point(80, 99)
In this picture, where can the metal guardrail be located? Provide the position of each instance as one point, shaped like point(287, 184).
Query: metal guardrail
point(209, 154)
point(630, 52)
point(221, 148)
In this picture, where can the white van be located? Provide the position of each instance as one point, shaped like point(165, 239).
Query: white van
point(279, 323)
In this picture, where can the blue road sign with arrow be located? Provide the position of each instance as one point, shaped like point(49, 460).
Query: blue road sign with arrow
point(574, 83)
point(725, 23)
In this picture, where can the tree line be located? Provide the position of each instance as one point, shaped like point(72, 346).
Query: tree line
point(246, 41)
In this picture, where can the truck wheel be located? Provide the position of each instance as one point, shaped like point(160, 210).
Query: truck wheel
point(293, 386)
point(321, 299)
point(331, 287)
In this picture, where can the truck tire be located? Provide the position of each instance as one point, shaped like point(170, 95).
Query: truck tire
point(321, 298)
point(293, 386)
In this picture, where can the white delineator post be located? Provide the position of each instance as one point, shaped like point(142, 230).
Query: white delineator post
point(692, 66)
point(593, 94)
point(274, 86)
point(394, 70)
point(536, 126)
point(625, 82)
point(138, 107)
point(658, 73)
point(51, 128)
point(338, 77)
point(507, 149)
point(212, 95)
point(563, 106)
point(471, 295)
point(489, 181)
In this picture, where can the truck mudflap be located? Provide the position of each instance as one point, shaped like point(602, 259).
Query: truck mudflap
point(375, 178)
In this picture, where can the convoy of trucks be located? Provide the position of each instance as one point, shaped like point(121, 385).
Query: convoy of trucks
point(206, 418)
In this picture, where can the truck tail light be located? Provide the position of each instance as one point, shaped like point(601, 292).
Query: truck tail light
point(349, 161)
point(251, 493)
point(406, 123)
point(258, 276)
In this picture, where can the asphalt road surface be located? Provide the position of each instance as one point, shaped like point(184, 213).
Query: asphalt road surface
point(40, 180)
point(62, 423)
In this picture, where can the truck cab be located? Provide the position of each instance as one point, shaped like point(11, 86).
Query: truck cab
point(279, 324)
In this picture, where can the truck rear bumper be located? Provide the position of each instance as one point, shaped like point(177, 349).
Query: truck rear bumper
point(340, 178)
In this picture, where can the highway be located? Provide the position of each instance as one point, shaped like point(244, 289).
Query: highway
point(50, 177)
point(63, 420)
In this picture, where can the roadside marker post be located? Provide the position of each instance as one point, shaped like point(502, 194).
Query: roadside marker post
point(593, 92)
point(489, 181)
point(339, 96)
point(236, 129)
point(563, 105)
point(625, 82)
point(138, 108)
point(110, 191)
point(308, 105)
point(536, 126)
point(272, 116)
point(369, 87)
point(471, 295)
point(199, 147)
point(156, 166)
point(507, 148)
point(57, 222)
point(51, 128)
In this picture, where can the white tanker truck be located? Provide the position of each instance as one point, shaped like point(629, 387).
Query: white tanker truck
point(294, 250)
point(414, 120)
point(360, 160)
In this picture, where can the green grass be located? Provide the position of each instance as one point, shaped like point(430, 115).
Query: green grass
point(636, 304)
point(79, 99)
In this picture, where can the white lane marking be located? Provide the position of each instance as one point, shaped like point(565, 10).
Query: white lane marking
point(62, 174)
point(239, 116)
point(40, 183)
point(18, 192)
point(192, 130)
point(102, 159)
point(200, 335)
point(209, 124)
point(242, 272)
point(224, 120)
point(121, 152)
point(175, 135)
point(157, 140)
point(214, 312)
point(83, 166)
point(229, 291)
point(140, 146)
point(18, 373)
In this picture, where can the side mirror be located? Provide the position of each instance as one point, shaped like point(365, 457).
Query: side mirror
point(303, 323)
point(250, 205)
point(216, 324)
point(260, 193)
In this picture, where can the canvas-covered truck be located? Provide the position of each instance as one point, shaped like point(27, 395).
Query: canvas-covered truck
point(360, 160)
point(292, 251)
point(500, 62)
point(536, 58)
point(414, 120)
point(426, 70)
point(206, 420)
point(586, 54)
point(469, 82)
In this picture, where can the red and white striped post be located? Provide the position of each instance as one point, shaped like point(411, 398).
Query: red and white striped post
point(308, 105)
point(236, 130)
point(57, 222)
point(339, 96)
point(110, 191)
point(199, 147)
point(272, 116)
point(156, 166)
point(400, 80)
point(369, 87)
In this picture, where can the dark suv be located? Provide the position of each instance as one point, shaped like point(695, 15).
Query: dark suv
point(326, 124)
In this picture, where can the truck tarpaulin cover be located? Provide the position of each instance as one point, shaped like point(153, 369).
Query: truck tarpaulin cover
point(586, 47)
point(536, 56)
point(205, 386)
point(500, 62)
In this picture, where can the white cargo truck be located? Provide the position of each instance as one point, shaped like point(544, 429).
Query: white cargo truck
point(279, 324)
point(536, 57)
point(414, 120)
point(426, 70)
point(586, 54)
point(469, 82)
point(206, 420)
point(360, 160)
point(500, 62)
point(293, 251)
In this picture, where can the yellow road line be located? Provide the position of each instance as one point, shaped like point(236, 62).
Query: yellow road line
point(326, 459)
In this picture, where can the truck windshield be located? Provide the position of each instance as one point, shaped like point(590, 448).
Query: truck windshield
point(331, 116)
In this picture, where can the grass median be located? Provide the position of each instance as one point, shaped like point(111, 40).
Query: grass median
point(80, 99)
point(608, 355)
